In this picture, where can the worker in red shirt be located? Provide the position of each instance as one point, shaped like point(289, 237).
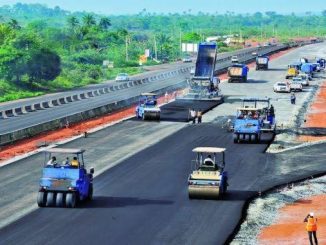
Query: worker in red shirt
point(311, 228)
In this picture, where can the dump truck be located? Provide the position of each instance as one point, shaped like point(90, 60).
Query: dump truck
point(238, 73)
point(65, 180)
point(293, 70)
point(252, 119)
point(208, 179)
point(147, 108)
point(204, 84)
point(262, 62)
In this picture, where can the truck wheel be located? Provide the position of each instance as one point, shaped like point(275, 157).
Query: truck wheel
point(50, 199)
point(235, 138)
point(71, 200)
point(143, 117)
point(90, 192)
point(253, 137)
point(41, 199)
point(59, 199)
point(247, 137)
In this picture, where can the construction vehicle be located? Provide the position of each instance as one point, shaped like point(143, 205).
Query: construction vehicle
point(65, 181)
point(208, 178)
point(147, 108)
point(238, 73)
point(262, 62)
point(293, 70)
point(307, 68)
point(322, 62)
point(252, 119)
point(204, 85)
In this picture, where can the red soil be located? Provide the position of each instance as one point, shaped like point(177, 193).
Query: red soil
point(316, 116)
point(289, 227)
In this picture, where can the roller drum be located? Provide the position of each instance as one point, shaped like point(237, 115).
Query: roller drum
point(151, 115)
point(209, 192)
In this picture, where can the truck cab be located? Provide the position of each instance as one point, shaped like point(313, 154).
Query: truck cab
point(293, 70)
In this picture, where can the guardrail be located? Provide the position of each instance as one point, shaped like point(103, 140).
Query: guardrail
point(57, 123)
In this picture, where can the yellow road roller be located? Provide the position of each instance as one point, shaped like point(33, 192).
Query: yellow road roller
point(208, 179)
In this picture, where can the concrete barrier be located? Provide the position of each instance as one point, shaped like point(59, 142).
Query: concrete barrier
point(69, 99)
point(11, 137)
point(56, 102)
point(112, 88)
point(76, 97)
point(107, 90)
point(90, 94)
point(38, 106)
point(3, 115)
point(18, 111)
point(62, 101)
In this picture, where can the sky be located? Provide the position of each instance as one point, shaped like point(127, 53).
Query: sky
point(166, 6)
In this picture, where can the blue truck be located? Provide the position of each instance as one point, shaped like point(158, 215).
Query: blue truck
point(307, 68)
point(64, 181)
point(147, 108)
point(252, 119)
point(262, 62)
point(204, 84)
point(238, 73)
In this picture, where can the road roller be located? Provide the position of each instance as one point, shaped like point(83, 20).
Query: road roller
point(65, 180)
point(208, 179)
point(147, 108)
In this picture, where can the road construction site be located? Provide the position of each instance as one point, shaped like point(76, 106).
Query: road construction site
point(140, 188)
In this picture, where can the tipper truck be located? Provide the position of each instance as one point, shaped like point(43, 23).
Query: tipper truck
point(238, 73)
point(204, 85)
point(208, 179)
point(262, 62)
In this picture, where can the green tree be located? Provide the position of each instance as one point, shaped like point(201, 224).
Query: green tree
point(89, 20)
point(14, 24)
point(104, 23)
point(43, 64)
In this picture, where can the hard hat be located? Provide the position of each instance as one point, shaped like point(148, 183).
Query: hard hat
point(311, 214)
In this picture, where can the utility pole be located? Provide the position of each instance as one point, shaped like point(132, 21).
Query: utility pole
point(155, 48)
point(180, 42)
point(261, 31)
point(127, 55)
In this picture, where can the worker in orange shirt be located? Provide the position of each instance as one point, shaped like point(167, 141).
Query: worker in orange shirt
point(311, 227)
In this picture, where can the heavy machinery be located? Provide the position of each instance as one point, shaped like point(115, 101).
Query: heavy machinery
point(147, 108)
point(204, 85)
point(64, 181)
point(307, 68)
point(322, 62)
point(238, 73)
point(208, 179)
point(252, 119)
point(262, 62)
point(293, 70)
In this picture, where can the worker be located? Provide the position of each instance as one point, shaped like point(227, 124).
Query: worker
point(74, 163)
point(293, 98)
point(52, 162)
point(193, 115)
point(199, 116)
point(66, 162)
point(209, 161)
point(311, 227)
point(272, 111)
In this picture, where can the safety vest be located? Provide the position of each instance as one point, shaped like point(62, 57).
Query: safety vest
point(311, 224)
